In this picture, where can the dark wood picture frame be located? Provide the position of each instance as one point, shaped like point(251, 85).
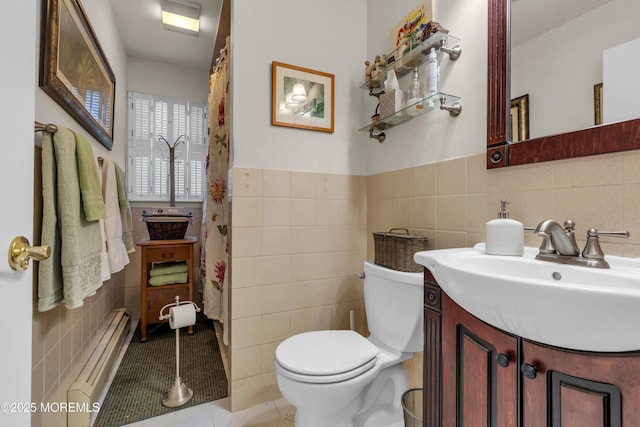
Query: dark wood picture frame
point(315, 112)
point(74, 70)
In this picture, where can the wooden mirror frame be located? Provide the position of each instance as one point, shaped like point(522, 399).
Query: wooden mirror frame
point(501, 152)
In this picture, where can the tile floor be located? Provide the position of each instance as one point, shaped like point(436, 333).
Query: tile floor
point(216, 414)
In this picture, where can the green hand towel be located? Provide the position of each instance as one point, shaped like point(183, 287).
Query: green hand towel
point(160, 269)
point(169, 279)
point(90, 187)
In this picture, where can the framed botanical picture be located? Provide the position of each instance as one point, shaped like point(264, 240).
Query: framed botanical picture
point(74, 70)
point(301, 98)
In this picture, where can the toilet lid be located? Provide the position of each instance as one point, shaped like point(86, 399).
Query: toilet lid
point(325, 352)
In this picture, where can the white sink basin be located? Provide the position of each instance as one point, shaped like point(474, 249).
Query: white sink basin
point(563, 305)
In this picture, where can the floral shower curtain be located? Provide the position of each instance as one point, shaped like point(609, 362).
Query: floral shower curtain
point(215, 216)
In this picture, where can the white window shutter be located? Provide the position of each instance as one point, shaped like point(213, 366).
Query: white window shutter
point(152, 117)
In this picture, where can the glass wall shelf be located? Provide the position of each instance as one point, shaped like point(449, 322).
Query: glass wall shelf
point(402, 60)
point(439, 101)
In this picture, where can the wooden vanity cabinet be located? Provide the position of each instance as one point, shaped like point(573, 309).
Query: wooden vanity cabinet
point(479, 371)
point(477, 375)
point(153, 298)
point(573, 388)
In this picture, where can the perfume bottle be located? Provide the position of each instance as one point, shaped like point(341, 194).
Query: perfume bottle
point(415, 95)
point(433, 76)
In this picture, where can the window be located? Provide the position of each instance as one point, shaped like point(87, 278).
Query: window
point(150, 118)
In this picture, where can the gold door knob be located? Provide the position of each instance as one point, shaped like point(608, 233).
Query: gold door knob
point(20, 252)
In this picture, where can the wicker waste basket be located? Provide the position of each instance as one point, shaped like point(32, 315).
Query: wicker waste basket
point(412, 407)
point(166, 227)
point(394, 249)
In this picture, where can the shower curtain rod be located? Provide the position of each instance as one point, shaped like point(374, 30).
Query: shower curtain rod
point(39, 127)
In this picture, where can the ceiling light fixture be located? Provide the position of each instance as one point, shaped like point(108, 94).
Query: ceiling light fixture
point(182, 16)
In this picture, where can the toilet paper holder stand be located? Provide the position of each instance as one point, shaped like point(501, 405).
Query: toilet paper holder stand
point(178, 394)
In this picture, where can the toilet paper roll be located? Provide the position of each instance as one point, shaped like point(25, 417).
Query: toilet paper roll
point(181, 316)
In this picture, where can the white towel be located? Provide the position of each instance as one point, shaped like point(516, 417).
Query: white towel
point(116, 249)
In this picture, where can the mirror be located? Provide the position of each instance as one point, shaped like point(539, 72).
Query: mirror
point(579, 136)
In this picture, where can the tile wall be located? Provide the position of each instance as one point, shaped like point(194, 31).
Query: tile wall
point(297, 239)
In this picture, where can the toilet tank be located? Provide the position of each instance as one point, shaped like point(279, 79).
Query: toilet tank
point(394, 303)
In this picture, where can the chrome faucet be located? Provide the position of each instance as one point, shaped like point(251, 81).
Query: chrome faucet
point(559, 244)
point(562, 238)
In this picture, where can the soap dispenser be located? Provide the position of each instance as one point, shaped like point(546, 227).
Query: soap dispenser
point(505, 236)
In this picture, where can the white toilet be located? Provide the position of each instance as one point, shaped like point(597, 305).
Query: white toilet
point(338, 378)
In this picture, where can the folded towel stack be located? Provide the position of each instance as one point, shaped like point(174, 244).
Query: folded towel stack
point(168, 273)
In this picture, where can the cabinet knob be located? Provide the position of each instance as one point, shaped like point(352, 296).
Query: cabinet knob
point(529, 371)
point(503, 360)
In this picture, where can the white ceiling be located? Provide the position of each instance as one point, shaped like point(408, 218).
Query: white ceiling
point(143, 35)
point(530, 18)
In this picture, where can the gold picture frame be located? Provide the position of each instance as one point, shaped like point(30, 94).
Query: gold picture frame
point(520, 118)
point(301, 98)
point(74, 70)
point(597, 104)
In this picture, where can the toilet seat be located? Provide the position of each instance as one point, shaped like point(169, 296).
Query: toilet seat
point(326, 356)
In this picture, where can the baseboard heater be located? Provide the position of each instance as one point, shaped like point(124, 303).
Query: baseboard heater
point(86, 389)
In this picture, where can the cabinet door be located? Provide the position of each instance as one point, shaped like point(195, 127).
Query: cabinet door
point(580, 389)
point(161, 296)
point(479, 371)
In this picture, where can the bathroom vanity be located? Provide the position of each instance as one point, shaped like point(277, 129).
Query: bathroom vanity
point(478, 375)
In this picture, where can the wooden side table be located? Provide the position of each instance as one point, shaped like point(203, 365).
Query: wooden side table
point(153, 298)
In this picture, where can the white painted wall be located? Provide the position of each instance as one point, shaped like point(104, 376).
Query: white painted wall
point(435, 136)
point(48, 111)
point(328, 36)
point(161, 78)
point(559, 68)
point(621, 68)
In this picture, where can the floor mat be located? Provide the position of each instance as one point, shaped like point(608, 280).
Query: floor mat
point(148, 370)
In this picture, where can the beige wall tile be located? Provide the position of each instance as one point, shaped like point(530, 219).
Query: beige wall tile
point(303, 267)
point(302, 185)
point(423, 212)
point(246, 272)
point(303, 240)
point(401, 183)
point(248, 362)
point(247, 332)
point(380, 187)
point(631, 166)
point(481, 180)
point(591, 207)
point(424, 180)
point(247, 241)
point(451, 239)
point(275, 183)
point(247, 182)
point(451, 177)
point(529, 177)
point(245, 392)
point(275, 269)
point(302, 211)
point(275, 327)
point(402, 212)
point(247, 212)
point(302, 295)
point(589, 171)
point(246, 302)
point(276, 241)
point(276, 298)
point(451, 213)
point(276, 212)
